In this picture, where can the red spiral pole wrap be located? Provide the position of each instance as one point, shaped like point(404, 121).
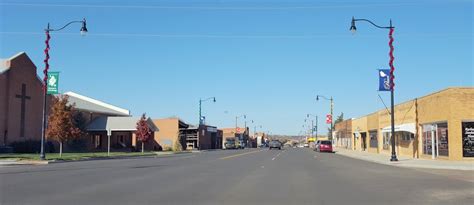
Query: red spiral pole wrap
point(392, 68)
point(46, 62)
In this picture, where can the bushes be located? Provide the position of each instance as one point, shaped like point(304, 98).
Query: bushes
point(77, 145)
point(31, 146)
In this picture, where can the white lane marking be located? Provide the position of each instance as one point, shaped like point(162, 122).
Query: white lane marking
point(263, 166)
point(277, 155)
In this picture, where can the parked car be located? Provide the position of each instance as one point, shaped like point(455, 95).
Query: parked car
point(229, 145)
point(274, 144)
point(323, 146)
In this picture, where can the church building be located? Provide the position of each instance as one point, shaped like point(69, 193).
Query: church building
point(21, 100)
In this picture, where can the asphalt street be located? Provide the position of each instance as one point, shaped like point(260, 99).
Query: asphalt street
point(251, 176)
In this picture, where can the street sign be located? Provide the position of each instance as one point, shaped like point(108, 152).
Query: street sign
point(53, 79)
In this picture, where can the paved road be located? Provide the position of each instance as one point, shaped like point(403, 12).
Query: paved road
point(254, 176)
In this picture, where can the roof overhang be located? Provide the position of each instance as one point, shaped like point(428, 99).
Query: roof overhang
point(409, 127)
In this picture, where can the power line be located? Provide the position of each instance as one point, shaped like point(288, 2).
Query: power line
point(313, 36)
point(206, 7)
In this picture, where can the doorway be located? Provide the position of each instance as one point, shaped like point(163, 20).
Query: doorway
point(363, 144)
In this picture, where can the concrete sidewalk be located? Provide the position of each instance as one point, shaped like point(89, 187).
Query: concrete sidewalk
point(406, 161)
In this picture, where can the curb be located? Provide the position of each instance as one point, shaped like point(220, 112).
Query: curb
point(401, 164)
point(46, 162)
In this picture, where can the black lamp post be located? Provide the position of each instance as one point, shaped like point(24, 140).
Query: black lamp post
point(332, 109)
point(315, 127)
point(45, 79)
point(392, 77)
point(201, 120)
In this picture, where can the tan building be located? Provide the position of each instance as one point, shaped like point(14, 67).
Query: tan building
point(437, 126)
point(234, 134)
point(21, 100)
point(171, 131)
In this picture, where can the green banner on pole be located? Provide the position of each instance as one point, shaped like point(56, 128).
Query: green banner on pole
point(53, 79)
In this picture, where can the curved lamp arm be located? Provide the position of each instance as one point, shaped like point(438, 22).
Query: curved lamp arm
point(214, 99)
point(354, 28)
point(322, 96)
point(83, 28)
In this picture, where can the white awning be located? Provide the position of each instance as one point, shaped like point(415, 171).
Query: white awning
point(409, 127)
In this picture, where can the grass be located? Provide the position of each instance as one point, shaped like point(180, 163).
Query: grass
point(74, 156)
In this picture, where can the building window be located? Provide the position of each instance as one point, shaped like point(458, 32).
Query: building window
point(468, 139)
point(96, 141)
point(407, 136)
point(386, 140)
point(121, 140)
point(435, 139)
point(373, 139)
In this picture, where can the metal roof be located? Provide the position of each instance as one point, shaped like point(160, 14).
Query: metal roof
point(105, 123)
point(91, 105)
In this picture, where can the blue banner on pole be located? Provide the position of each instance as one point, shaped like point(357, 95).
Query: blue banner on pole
point(384, 80)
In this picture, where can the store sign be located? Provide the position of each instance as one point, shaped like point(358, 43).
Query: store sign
point(468, 139)
point(53, 79)
point(211, 129)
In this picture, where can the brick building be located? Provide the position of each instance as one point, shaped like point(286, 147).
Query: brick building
point(437, 126)
point(21, 100)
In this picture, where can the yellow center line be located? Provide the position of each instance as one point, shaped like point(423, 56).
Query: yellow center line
point(236, 155)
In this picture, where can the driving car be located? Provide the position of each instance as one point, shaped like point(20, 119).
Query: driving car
point(323, 146)
point(274, 144)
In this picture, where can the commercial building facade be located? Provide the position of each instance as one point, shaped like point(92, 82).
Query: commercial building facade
point(437, 126)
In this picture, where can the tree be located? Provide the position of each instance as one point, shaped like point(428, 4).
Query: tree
point(61, 126)
point(143, 131)
point(177, 147)
point(340, 118)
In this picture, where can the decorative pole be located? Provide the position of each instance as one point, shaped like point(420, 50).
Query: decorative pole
point(45, 79)
point(392, 77)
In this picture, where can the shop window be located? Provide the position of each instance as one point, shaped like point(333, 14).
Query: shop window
point(468, 139)
point(373, 139)
point(407, 136)
point(435, 139)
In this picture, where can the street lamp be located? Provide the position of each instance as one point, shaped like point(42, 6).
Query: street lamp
point(353, 29)
point(201, 120)
point(332, 109)
point(314, 126)
point(48, 29)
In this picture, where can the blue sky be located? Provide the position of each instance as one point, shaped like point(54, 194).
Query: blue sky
point(266, 59)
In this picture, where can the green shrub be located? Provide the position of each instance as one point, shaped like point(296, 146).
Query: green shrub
point(31, 146)
point(77, 145)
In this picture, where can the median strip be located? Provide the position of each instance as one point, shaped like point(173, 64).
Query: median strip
point(241, 154)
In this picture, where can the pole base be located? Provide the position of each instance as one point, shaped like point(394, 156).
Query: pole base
point(394, 158)
point(42, 156)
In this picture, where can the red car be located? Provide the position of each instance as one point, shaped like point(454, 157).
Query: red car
point(324, 146)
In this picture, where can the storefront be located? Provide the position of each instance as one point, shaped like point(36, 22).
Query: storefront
point(439, 125)
point(435, 140)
